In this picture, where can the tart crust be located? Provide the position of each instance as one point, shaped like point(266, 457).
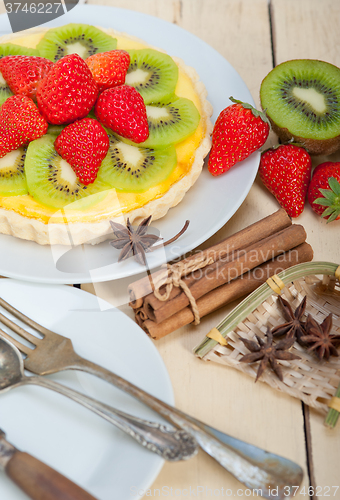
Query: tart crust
point(76, 233)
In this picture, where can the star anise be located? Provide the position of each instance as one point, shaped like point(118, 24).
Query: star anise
point(268, 353)
point(320, 339)
point(294, 327)
point(136, 242)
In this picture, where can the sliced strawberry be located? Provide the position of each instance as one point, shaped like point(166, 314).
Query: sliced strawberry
point(109, 68)
point(20, 122)
point(285, 171)
point(122, 109)
point(23, 73)
point(83, 144)
point(68, 92)
point(239, 130)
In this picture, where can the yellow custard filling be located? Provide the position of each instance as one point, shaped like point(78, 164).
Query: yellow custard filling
point(112, 203)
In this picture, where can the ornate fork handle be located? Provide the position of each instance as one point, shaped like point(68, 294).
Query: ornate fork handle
point(254, 467)
point(170, 444)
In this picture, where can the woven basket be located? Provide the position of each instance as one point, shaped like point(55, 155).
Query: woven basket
point(307, 378)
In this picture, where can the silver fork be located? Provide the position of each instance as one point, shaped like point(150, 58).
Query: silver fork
point(256, 468)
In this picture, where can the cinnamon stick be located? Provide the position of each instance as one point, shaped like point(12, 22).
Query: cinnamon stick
point(140, 315)
point(229, 292)
point(247, 236)
point(223, 271)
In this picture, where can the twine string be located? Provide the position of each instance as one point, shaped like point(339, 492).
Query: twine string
point(173, 277)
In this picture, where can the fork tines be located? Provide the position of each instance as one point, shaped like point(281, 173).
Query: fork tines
point(32, 339)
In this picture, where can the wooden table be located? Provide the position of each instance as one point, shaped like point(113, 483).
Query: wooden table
point(253, 35)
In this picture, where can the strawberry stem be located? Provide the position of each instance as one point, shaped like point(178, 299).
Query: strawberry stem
point(255, 111)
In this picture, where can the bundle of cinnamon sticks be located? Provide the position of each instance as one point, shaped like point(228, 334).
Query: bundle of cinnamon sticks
point(205, 281)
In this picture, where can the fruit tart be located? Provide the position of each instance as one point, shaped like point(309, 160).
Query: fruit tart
point(94, 126)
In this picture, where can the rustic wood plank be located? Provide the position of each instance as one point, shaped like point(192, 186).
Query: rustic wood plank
point(218, 395)
point(308, 29)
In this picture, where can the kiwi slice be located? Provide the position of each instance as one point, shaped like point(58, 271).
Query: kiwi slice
point(74, 38)
point(55, 129)
point(169, 123)
point(135, 169)
point(153, 73)
point(10, 49)
point(51, 180)
point(5, 91)
point(12, 175)
point(302, 100)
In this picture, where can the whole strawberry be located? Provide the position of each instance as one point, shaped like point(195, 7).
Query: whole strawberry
point(286, 171)
point(20, 122)
point(23, 73)
point(324, 191)
point(239, 131)
point(83, 144)
point(122, 109)
point(68, 92)
point(109, 68)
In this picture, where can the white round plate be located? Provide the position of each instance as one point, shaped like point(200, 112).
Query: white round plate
point(63, 434)
point(209, 204)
